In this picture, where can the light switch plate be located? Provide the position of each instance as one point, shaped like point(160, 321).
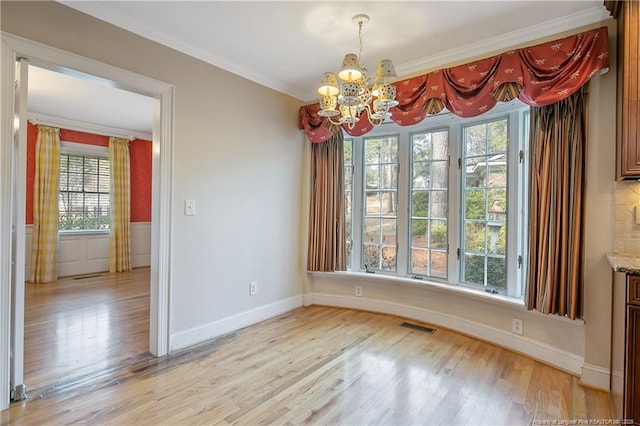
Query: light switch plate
point(189, 207)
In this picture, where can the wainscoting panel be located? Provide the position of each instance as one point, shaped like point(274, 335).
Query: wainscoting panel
point(86, 253)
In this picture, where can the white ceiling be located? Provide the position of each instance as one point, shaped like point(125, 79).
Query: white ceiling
point(287, 46)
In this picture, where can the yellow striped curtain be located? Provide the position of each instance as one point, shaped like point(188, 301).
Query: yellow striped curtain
point(120, 206)
point(44, 242)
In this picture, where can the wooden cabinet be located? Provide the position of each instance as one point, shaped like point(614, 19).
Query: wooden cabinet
point(631, 407)
point(627, 14)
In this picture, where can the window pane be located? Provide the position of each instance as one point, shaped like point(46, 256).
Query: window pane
point(474, 237)
point(388, 258)
point(389, 231)
point(389, 176)
point(474, 269)
point(497, 272)
point(373, 203)
point(91, 183)
point(419, 261)
point(438, 263)
point(420, 204)
point(438, 234)
point(475, 204)
point(438, 205)
point(372, 177)
point(371, 256)
point(440, 141)
point(422, 175)
point(475, 140)
point(372, 230)
point(419, 232)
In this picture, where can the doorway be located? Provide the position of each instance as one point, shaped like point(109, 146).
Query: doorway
point(87, 321)
point(12, 169)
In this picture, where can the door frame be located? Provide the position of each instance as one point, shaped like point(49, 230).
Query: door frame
point(38, 54)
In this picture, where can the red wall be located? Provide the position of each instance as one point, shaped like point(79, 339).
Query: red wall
point(140, 160)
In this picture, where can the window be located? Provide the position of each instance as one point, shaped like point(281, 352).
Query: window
point(443, 200)
point(380, 195)
point(83, 202)
point(429, 203)
point(484, 198)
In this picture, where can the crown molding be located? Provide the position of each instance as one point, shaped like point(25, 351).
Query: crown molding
point(505, 41)
point(79, 126)
point(142, 29)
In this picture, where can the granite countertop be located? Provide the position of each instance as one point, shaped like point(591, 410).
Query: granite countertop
point(627, 263)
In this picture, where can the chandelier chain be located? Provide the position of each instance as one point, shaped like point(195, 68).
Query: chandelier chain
point(360, 24)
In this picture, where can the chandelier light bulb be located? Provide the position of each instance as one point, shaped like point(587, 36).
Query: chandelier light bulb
point(351, 69)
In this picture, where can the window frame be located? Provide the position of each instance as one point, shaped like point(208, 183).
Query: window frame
point(84, 150)
point(517, 116)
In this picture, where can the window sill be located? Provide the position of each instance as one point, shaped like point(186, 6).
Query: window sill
point(466, 292)
point(84, 232)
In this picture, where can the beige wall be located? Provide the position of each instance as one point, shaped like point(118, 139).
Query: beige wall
point(239, 159)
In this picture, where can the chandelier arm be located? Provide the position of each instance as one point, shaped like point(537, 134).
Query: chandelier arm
point(337, 123)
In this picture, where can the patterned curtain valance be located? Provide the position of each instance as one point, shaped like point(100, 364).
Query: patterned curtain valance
point(538, 75)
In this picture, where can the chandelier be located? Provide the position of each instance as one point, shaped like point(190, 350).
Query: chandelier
point(353, 96)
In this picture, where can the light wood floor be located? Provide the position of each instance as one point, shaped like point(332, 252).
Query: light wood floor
point(314, 365)
point(79, 326)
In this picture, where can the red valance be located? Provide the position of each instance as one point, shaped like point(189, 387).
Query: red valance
point(538, 75)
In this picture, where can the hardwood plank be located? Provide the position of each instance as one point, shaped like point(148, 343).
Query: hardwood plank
point(320, 365)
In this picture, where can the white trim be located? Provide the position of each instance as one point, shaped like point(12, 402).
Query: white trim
point(505, 41)
point(56, 59)
point(7, 76)
point(595, 377)
point(617, 382)
point(81, 126)
point(563, 360)
point(235, 322)
point(484, 47)
point(161, 229)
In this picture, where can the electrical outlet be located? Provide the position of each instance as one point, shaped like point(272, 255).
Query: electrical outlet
point(516, 326)
point(358, 291)
point(253, 288)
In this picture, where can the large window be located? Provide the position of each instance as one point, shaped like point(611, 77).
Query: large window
point(442, 200)
point(83, 202)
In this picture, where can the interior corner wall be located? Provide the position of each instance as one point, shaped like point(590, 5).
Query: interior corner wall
point(600, 217)
point(240, 160)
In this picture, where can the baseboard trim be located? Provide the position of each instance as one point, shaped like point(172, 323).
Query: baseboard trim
point(308, 299)
point(595, 377)
point(563, 360)
point(617, 382)
point(186, 338)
